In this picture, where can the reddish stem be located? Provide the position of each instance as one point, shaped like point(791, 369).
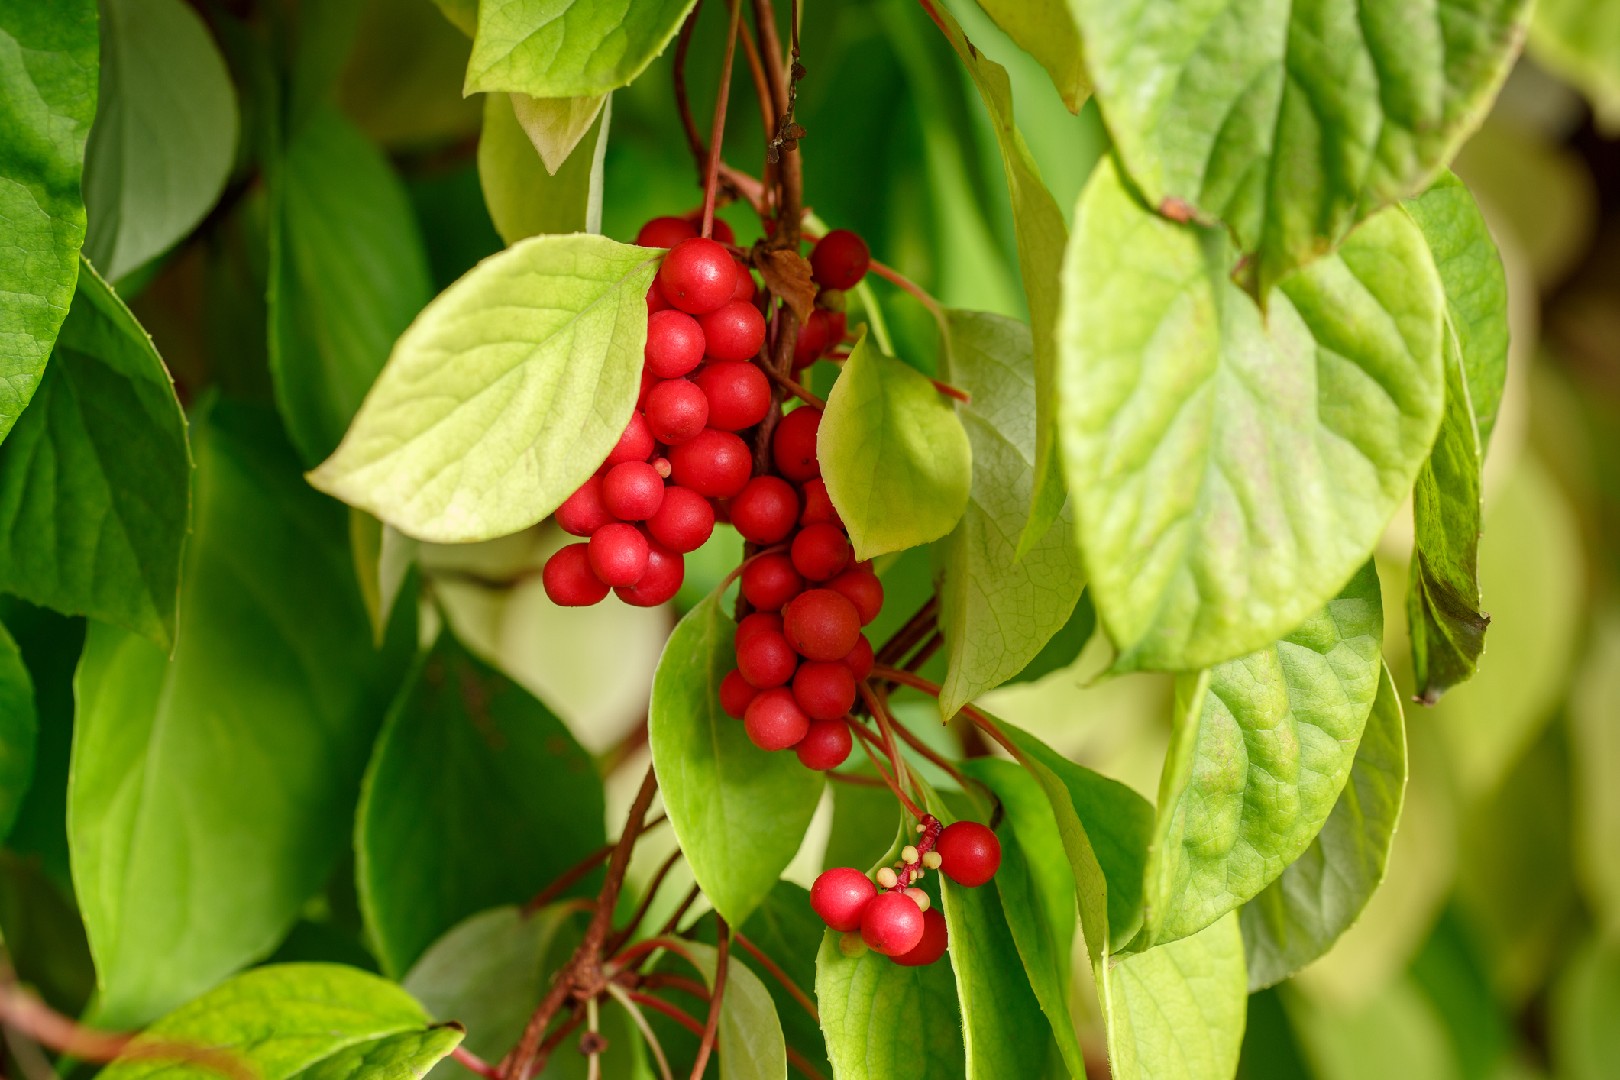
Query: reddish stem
point(711, 1029)
point(651, 892)
point(660, 1005)
point(477, 1064)
point(780, 976)
point(573, 874)
point(717, 131)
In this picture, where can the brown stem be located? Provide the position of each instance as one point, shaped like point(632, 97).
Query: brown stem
point(854, 780)
point(762, 90)
point(660, 1005)
point(673, 923)
point(683, 103)
point(928, 752)
point(880, 713)
point(717, 130)
point(780, 976)
point(570, 877)
point(792, 386)
point(866, 739)
point(554, 1040)
point(659, 980)
point(802, 1063)
point(915, 629)
point(616, 942)
point(925, 651)
point(711, 1029)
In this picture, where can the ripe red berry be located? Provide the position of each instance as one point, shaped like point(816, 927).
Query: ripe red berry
point(840, 896)
point(775, 721)
point(837, 327)
point(632, 491)
point(636, 444)
point(820, 551)
point(582, 513)
point(655, 299)
point(676, 410)
point(815, 337)
point(818, 507)
point(698, 276)
point(662, 580)
point(839, 260)
point(932, 945)
point(766, 659)
point(739, 394)
point(765, 510)
point(716, 464)
point(824, 689)
point(684, 520)
point(860, 658)
point(675, 344)
point(892, 923)
point(793, 446)
point(820, 624)
point(733, 331)
point(745, 284)
point(862, 588)
point(569, 579)
point(758, 621)
point(769, 582)
point(826, 745)
point(735, 694)
point(618, 554)
point(969, 853)
point(665, 232)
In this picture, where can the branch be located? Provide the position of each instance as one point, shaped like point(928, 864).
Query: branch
point(711, 1029)
point(717, 130)
point(780, 976)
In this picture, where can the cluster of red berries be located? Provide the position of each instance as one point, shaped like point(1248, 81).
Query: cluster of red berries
point(654, 498)
point(900, 921)
point(838, 262)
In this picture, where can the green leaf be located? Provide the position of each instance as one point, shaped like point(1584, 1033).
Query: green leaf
point(524, 199)
point(476, 796)
point(1292, 121)
point(261, 718)
point(739, 812)
point(19, 728)
point(878, 1015)
point(94, 479)
point(1046, 30)
point(299, 1020)
point(504, 395)
point(1257, 761)
point(1579, 40)
point(783, 927)
point(894, 454)
point(1394, 1032)
point(998, 611)
point(750, 1037)
point(548, 49)
point(463, 14)
point(43, 936)
point(1298, 917)
point(1585, 1013)
point(348, 273)
point(1176, 1011)
point(1229, 471)
point(48, 73)
point(555, 126)
point(165, 133)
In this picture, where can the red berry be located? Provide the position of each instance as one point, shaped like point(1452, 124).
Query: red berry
point(618, 554)
point(840, 896)
point(839, 260)
point(837, 327)
point(860, 659)
point(684, 520)
point(820, 624)
point(676, 410)
point(815, 337)
point(818, 507)
point(745, 284)
point(758, 621)
point(698, 276)
point(820, 551)
point(733, 331)
point(769, 582)
point(892, 923)
point(569, 579)
point(826, 745)
point(739, 394)
point(582, 513)
point(665, 572)
point(636, 444)
point(735, 694)
point(969, 853)
point(862, 588)
point(675, 344)
point(825, 690)
point(655, 299)
point(932, 945)
point(766, 659)
point(793, 446)
point(665, 232)
point(774, 720)
point(716, 464)
point(632, 491)
point(765, 510)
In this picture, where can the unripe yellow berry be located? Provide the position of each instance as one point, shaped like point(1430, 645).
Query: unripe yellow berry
point(887, 878)
point(908, 854)
point(920, 898)
point(932, 860)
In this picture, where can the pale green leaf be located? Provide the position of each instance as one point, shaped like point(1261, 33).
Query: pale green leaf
point(298, 1020)
point(1396, 1031)
point(504, 395)
point(19, 728)
point(739, 812)
point(1585, 1013)
point(556, 125)
point(750, 1037)
point(476, 796)
point(1230, 471)
point(1293, 120)
point(893, 452)
point(1257, 762)
point(1595, 742)
point(94, 480)
point(1580, 41)
point(1300, 915)
point(568, 48)
point(262, 717)
point(524, 199)
point(463, 14)
point(348, 273)
point(48, 75)
point(997, 610)
point(1176, 1011)
point(783, 928)
point(165, 133)
point(1046, 30)
point(878, 1015)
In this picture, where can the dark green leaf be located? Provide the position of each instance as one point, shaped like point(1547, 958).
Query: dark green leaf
point(476, 796)
point(524, 197)
point(43, 937)
point(93, 481)
point(19, 728)
point(570, 49)
point(879, 1016)
point(784, 928)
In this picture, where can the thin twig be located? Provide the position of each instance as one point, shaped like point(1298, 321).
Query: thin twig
point(616, 942)
point(593, 1039)
point(554, 1040)
point(915, 629)
point(658, 980)
point(660, 1005)
point(780, 976)
point(802, 1063)
point(912, 740)
point(880, 713)
point(855, 780)
point(717, 131)
point(866, 739)
point(762, 90)
point(574, 873)
point(640, 1020)
point(792, 386)
point(683, 103)
point(717, 994)
point(472, 1061)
